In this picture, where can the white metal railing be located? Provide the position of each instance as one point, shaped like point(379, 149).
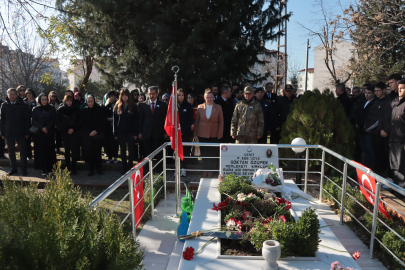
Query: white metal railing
point(126, 178)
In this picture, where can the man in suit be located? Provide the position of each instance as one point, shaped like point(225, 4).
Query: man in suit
point(268, 114)
point(271, 93)
point(226, 104)
point(152, 116)
point(238, 96)
point(15, 125)
point(344, 98)
point(215, 91)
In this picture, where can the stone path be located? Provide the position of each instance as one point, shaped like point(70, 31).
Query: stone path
point(158, 236)
point(348, 238)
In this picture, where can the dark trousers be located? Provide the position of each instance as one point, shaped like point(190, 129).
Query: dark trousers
point(11, 153)
point(208, 151)
point(227, 139)
point(45, 145)
point(150, 145)
point(397, 163)
point(28, 146)
point(111, 145)
point(124, 140)
point(94, 157)
point(275, 137)
point(58, 139)
point(357, 147)
point(381, 151)
point(2, 147)
point(263, 140)
point(186, 151)
point(72, 149)
point(367, 147)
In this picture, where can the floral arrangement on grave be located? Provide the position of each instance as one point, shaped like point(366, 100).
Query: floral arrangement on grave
point(261, 215)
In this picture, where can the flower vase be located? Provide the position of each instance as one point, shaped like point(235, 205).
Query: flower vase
point(271, 253)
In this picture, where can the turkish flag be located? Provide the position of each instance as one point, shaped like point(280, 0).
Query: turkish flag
point(137, 195)
point(369, 183)
point(170, 128)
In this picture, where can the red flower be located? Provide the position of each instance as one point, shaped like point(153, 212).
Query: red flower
point(239, 225)
point(282, 218)
point(267, 220)
point(188, 253)
point(287, 205)
point(215, 207)
point(356, 255)
point(246, 215)
point(280, 200)
point(245, 205)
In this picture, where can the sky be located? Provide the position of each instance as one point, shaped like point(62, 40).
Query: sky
point(303, 12)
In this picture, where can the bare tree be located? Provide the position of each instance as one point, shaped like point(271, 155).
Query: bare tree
point(270, 67)
point(294, 67)
point(330, 30)
point(25, 62)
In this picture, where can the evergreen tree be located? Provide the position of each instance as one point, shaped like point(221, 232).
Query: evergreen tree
point(139, 41)
point(319, 119)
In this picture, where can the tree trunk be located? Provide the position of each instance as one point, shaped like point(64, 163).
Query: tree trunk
point(89, 69)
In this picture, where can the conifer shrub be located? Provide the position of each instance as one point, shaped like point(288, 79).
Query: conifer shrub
point(319, 119)
point(54, 228)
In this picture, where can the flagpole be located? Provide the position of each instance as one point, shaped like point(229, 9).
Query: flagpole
point(176, 69)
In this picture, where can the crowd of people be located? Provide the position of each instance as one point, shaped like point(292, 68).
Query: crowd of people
point(134, 122)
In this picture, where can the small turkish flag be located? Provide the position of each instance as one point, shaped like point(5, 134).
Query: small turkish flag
point(170, 128)
point(137, 195)
point(369, 183)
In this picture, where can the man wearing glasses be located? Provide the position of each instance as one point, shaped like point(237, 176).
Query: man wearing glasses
point(21, 92)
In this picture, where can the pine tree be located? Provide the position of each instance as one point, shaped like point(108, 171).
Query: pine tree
point(139, 41)
point(319, 119)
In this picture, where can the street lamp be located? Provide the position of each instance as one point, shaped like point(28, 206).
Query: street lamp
point(298, 151)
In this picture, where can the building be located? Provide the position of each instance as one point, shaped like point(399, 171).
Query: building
point(344, 51)
point(301, 80)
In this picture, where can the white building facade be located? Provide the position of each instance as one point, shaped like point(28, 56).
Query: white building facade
point(341, 57)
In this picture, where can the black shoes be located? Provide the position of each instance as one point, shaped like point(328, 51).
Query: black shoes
point(12, 172)
point(99, 172)
point(24, 173)
point(91, 172)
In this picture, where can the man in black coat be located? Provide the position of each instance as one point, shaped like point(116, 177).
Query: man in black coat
point(397, 137)
point(268, 114)
point(364, 132)
point(282, 111)
point(15, 125)
point(343, 98)
point(271, 94)
point(226, 104)
point(378, 123)
point(152, 116)
point(355, 101)
point(393, 80)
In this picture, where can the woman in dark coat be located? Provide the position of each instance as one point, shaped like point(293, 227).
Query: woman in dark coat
point(29, 99)
point(186, 115)
point(68, 122)
point(92, 127)
point(110, 143)
point(43, 117)
point(126, 127)
point(53, 100)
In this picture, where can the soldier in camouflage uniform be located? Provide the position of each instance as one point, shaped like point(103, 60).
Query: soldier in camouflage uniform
point(247, 120)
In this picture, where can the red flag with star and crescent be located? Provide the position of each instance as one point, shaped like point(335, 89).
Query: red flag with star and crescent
point(369, 183)
point(137, 194)
point(170, 128)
